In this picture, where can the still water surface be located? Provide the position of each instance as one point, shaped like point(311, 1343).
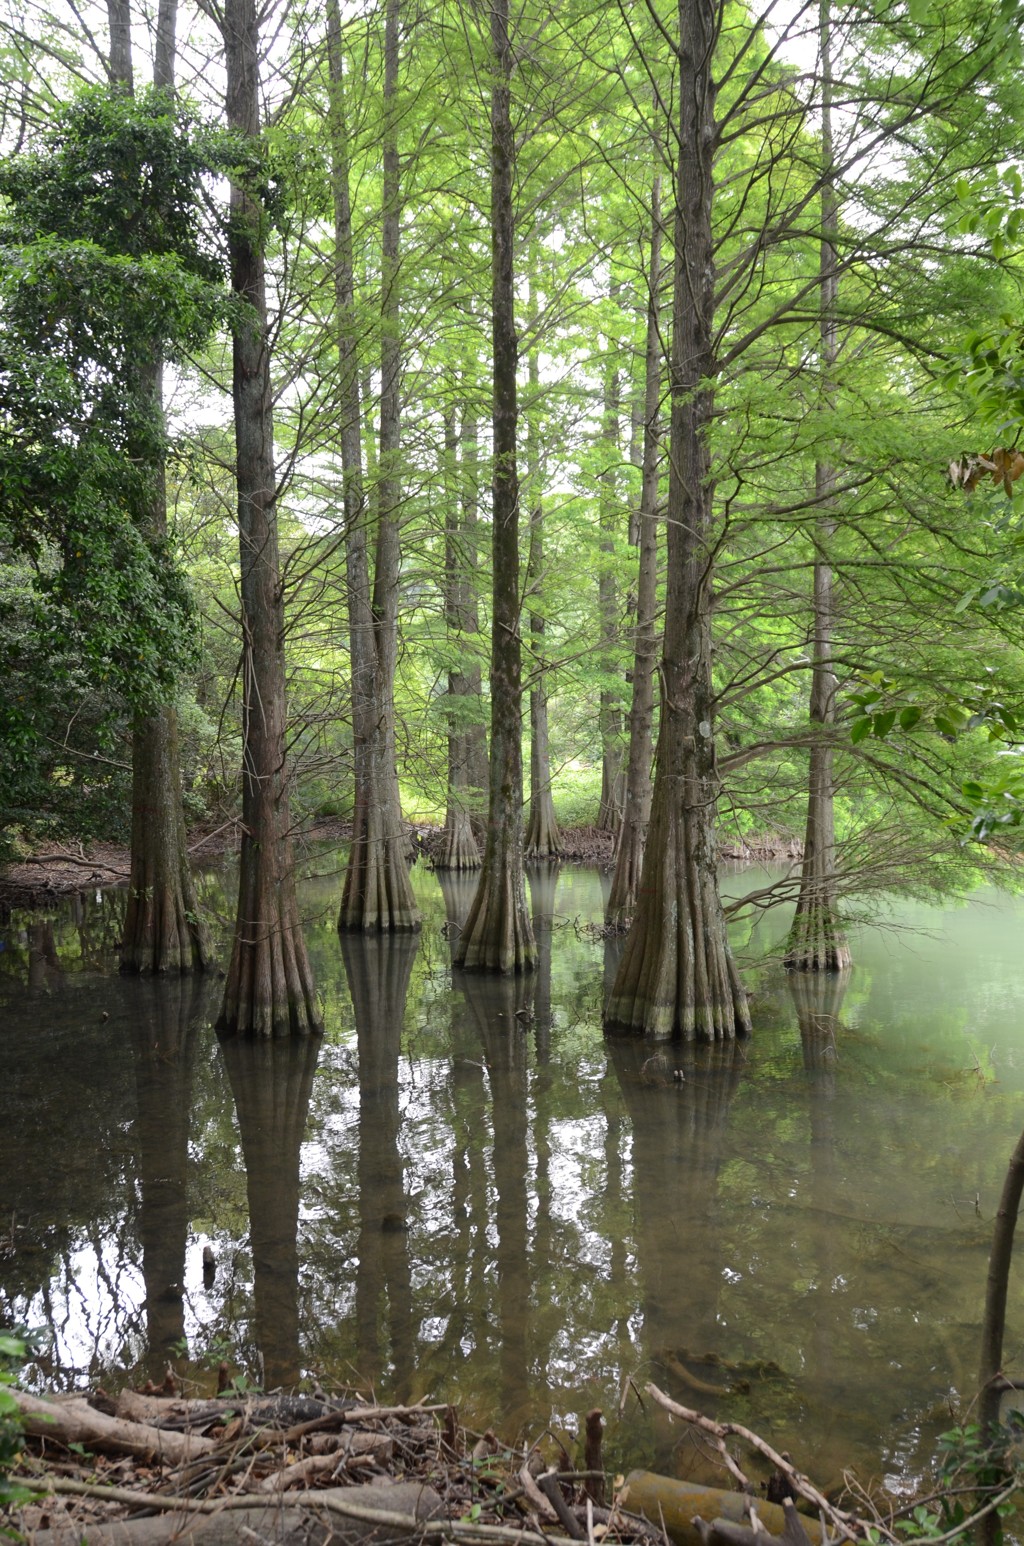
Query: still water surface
point(466, 1191)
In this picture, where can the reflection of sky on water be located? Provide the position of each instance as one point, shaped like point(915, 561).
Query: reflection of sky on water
point(554, 1215)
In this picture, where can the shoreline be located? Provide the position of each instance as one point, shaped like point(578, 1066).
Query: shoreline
point(58, 870)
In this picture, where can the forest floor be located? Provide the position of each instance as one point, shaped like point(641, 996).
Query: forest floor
point(59, 869)
point(152, 1466)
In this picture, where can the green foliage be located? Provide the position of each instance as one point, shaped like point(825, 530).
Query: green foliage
point(108, 269)
point(15, 1347)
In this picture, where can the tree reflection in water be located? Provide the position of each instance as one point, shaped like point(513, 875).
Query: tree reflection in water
point(272, 1081)
point(678, 1097)
point(379, 967)
point(818, 1000)
point(498, 1013)
point(163, 1038)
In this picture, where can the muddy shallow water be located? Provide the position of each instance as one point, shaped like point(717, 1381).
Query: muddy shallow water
point(466, 1190)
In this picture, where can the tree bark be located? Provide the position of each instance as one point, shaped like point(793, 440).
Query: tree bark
point(543, 840)
point(476, 733)
point(378, 893)
point(997, 1288)
point(636, 808)
point(162, 929)
point(269, 986)
point(460, 851)
point(677, 974)
point(119, 63)
point(817, 941)
point(166, 45)
point(609, 811)
point(498, 935)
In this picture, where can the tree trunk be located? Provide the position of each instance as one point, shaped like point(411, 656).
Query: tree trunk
point(498, 935)
point(378, 892)
point(543, 840)
point(162, 931)
point(636, 809)
point(166, 45)
point(476, 732)
point(677, 974)
point(269, 986)
point(817, 941)
point(609, 811)
point(119, 63)
point(460, 851)
point(997, 1286)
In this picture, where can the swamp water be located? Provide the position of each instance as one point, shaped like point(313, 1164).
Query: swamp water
point(464, 1190)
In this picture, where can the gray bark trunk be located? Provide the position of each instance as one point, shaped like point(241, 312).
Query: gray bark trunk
point(677, 974)
point(162, 930)
point(166, 45)
point(817, 941)
point(378, 892)
point(543, 840)
point(498, 935)
point(460, 851)
point(636, 809)
point(609, 812)
point(269, 987)
point(119, 64)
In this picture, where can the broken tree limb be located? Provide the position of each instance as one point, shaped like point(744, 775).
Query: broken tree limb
point(663, 1499)
point(369, 1448)
point(76, 1422)
point(592, 1456)
point(298, 1522)
point(722, 1532)
point(842, 1524)
point(552, 1490)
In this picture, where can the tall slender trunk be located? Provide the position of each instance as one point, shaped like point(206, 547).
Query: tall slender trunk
point(543, 840)
point(677, 973)
point(119, 62)
point(162, 930)
point(166, 45)
point(817, 941)
point(269, 987)
point(498, 935)
point(378, 892)
point(609, 811)
point(460, 851)
point(476, 731)
point(636, 808)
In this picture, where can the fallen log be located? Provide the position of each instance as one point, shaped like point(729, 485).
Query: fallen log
point(678, 1504)
point(259, 1411)
point(336, 1515)
point(76, 1422)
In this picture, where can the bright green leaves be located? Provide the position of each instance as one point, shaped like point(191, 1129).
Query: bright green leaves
point(874, 716)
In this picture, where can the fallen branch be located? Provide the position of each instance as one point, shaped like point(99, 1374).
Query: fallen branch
point(843, 1525)
point(76, 1422)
